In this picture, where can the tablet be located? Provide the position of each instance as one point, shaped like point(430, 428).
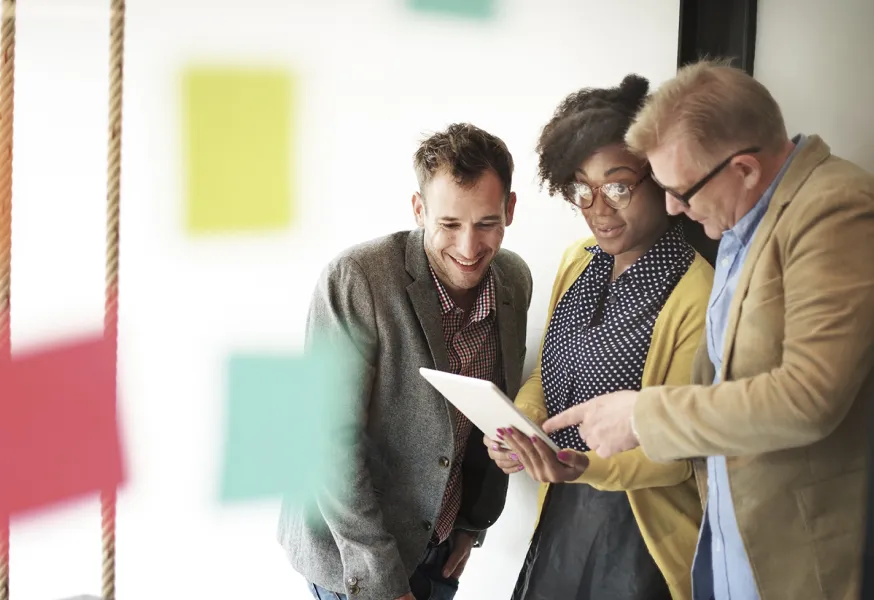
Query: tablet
point(484, 404)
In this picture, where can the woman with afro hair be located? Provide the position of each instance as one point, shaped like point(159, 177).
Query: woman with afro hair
point(627, 311)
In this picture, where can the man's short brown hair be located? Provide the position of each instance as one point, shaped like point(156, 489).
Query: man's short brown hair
point(719, 109)
point(466, 152)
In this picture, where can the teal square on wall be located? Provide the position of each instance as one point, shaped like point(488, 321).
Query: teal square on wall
point(283, 414)
point(469, 9)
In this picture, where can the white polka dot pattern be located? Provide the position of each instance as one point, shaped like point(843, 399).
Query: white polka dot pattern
point(600, 332)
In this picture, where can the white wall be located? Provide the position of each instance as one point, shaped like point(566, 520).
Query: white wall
point(817, 58)
point(372, 79)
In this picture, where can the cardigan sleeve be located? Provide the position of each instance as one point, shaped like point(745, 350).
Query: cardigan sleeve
point(530, 399)
point(674, 351)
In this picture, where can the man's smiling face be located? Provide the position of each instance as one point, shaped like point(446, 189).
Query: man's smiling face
point(464, 227)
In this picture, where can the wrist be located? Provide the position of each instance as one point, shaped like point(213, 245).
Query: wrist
point(465, 533)
point(634, 428)
point(472, 537)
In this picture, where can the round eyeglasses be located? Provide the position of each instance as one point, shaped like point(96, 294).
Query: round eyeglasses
point(615, 195)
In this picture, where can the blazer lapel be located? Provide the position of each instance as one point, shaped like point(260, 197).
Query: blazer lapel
point(423, 296)
point(505, 306)
point(808, 158)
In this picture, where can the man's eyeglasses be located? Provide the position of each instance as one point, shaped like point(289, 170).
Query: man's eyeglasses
point(615, 195)
point(686, 197)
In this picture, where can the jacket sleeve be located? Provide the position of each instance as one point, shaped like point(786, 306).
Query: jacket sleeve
point(530, 399)
point(342, 314)
point(828, 349)
point(633, 470)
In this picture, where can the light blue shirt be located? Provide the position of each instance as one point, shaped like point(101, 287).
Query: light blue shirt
point(721, 570)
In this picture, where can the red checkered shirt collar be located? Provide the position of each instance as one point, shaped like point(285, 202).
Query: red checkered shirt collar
point(485, 300)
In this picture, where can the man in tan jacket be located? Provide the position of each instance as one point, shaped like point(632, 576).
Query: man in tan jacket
point(782, 385)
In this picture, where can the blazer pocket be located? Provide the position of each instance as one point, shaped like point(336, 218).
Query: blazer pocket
point(833, 513)
point(833, 506)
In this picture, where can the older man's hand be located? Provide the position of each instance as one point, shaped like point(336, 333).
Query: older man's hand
point(604, 422)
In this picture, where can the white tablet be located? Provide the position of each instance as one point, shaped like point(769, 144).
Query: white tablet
point(484, 404)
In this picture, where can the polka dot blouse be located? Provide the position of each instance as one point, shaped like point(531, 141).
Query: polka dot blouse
point(599, 334)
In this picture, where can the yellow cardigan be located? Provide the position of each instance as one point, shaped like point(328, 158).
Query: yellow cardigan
point(663, 496)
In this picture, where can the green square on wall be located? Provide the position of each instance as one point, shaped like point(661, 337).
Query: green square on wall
point(237, 137)
point(470, 9)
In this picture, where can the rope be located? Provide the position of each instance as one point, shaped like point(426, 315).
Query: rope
point(7, 89)
point(113, 197)
point(7, 72)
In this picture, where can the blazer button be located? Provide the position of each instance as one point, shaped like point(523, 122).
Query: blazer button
point(426, 525)
point(352, 581)
point(444, 462)
point(353, 590)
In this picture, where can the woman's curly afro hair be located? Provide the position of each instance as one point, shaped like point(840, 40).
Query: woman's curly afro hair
point(594, 118)
point(585, 121)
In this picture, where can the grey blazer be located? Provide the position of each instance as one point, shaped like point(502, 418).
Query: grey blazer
point(366, 541)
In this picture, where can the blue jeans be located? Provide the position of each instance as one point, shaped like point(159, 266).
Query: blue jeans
point(426, 583)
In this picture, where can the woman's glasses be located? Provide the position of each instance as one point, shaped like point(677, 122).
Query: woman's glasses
point(615, 195)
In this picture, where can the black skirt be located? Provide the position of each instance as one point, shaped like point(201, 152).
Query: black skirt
point(588, 546)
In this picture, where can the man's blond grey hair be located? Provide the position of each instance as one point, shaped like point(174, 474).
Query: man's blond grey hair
point(716, 108)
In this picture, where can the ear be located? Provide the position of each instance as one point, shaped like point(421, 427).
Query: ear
point(419, 209)
point(749, 168)
point(511, 207)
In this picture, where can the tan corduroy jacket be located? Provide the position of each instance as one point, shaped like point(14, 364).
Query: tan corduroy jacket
point(663, 497)
point(792, 413)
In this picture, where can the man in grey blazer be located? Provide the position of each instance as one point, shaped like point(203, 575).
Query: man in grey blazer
point(421, 491)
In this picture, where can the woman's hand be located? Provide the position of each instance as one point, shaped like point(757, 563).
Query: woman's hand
point(541, 463)
point(501, 456)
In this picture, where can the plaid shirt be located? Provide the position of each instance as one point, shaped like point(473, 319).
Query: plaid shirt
point(472, 345)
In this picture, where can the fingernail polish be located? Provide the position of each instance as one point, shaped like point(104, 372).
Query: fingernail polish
point(521, 467)
point(500, 432)
point(514, 457)
point(533, 439)
point(563, 456)
point(494, 447)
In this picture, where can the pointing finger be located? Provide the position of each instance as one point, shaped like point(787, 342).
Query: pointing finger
point(569, 418)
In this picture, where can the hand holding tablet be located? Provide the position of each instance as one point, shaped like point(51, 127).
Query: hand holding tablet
point(540, 462)
point(487, 407)
point(520, 443)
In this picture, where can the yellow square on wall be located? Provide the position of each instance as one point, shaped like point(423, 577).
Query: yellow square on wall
point(237, 130)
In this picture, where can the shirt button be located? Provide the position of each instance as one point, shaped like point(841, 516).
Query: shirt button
point(426, 525)
point(724, 262)
point(612, 300)
point(444, 462)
